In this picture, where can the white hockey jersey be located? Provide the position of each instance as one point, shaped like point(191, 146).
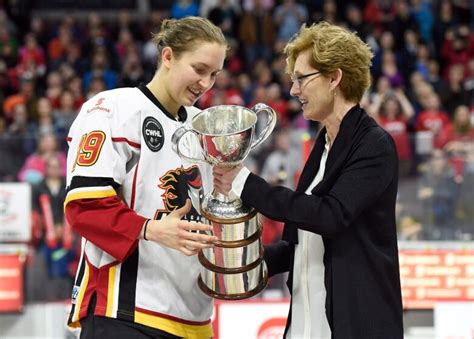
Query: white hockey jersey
point(121, 171)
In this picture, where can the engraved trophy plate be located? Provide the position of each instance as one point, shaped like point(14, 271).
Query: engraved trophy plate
point(234, 268)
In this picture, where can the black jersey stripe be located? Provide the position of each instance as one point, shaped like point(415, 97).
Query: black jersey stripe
point(79, 181)
point(127, 287)
point(182, 114)
point(77, 282)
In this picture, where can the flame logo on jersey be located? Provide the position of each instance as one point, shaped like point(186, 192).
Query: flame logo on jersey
point(178, 185)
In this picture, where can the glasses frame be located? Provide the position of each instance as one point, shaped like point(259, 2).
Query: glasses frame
point(298, 80)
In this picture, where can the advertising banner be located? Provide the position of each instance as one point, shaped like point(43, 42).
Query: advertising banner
point(11, 283)
point(15, 212)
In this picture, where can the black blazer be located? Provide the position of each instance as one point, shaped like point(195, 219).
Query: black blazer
point(353, 209)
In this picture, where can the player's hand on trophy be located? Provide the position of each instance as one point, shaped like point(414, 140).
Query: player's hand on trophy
point(224, 176)
point(179, 234)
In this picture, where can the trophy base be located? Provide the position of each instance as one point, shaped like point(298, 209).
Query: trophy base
point(233, 269)
point(233, 286)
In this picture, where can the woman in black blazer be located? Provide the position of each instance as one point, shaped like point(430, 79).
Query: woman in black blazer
point(339, 243)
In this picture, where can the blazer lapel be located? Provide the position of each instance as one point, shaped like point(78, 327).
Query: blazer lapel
point(311, 166)
point(341, 148)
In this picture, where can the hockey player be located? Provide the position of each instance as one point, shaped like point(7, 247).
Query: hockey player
point(129, 197)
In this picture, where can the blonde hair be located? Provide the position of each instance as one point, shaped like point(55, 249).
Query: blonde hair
point(183, 35)
point(334, 47)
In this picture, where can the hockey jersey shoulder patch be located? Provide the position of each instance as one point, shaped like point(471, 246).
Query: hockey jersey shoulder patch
point(153, 134)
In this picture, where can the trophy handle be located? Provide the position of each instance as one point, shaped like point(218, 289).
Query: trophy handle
point(271, 121)
point(176, 142)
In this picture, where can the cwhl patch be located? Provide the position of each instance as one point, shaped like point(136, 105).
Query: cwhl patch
point(153, 134)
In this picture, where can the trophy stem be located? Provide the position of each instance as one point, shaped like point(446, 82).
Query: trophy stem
point(218, 206)
point(224, 198)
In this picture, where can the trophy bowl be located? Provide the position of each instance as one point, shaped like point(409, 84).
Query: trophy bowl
point(234, 268)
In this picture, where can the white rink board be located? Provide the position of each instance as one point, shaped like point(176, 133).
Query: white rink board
point(248, 319)
point(454, 320)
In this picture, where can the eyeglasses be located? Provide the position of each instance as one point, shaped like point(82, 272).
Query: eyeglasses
point(298, 80)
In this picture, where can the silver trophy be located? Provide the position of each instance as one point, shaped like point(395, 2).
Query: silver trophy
point(234, 268)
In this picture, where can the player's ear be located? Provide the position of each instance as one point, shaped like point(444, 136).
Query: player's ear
point(167, 57)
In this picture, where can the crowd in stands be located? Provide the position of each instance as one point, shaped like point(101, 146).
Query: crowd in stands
point(422, 93)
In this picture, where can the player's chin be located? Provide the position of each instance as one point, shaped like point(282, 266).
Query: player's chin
point(191, 99)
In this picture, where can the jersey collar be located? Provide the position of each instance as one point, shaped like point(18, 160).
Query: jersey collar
point(182, 114)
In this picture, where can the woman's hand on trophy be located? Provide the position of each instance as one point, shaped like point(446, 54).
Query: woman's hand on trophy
point(179, 234)
point(224, 176)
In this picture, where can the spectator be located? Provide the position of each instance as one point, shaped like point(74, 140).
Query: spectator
point(283, 162)
point(32, 61)
point(97, 85)
point(55, 247)
point(394, 111)
point(124, 45)
point(34, 168)
point(391, 71)
point(458, 47)
point(132, 72)
point(274, 99)
point(100, 68)
point(234, 62)
point(45, 124)
point(288, 17)
point(206, 6)
point(452, 93)
point(379, 13)
point(12, 152)
point(445, 20)
point(433, 119)
point(184, 8)
point(65, 114)
point(408, 53)
point(54, 88)
point(38, 27)
point(225, 15)
point(8, 47)
point(21, 132)
point(434, 76)
point(330, 11)
point(98, 41)
point(423, 13)
point(125, 22)
point(355, 21)
point(422, 58)
point(73, 58)
point(461, 141)
point(387, 45)
point(257, 34)
point(58, 46)
point(403, 21)
point(26, 96)
point(439, 192)
point(75, 87)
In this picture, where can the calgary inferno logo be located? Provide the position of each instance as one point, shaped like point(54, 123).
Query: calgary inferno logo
point(178, 185)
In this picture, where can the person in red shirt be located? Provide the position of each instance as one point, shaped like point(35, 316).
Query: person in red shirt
point(433, 119)
point(393, 113)
point(461, 139)
point(32, 62)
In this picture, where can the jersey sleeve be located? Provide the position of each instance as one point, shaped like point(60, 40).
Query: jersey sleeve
point(102, 146)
